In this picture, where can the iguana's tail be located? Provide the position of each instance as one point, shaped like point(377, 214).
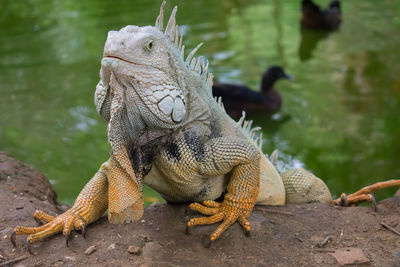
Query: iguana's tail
point(302, 186)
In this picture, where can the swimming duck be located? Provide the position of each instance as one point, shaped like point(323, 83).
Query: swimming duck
point(237, 98)
point(313, 17)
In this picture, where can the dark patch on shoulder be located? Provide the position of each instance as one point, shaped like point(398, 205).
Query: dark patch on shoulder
point(142, 156)
point(196, 145)
point(215, 127)
point(172, 151)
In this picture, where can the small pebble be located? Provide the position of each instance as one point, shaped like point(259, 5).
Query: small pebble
point(134, 250)
point(112, 246)
point(90, 250)
point(5, 237)
point(71, 258)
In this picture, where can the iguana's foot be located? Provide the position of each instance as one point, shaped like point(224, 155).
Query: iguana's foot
point(64, 223)
point(228, 212)
point(364, 194)
point(354, 200)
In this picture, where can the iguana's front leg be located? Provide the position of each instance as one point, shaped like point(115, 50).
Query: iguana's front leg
point(88, 207)
point(112, 187)
point(242, 161)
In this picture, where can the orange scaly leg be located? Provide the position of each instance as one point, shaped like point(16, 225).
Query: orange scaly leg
point(222, 156)
point(89, 206)
point(238, 202)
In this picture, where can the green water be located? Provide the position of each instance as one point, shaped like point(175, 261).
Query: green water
point(340, 119)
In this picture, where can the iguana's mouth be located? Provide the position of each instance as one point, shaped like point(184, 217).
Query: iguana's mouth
point(132, 63)
point(122, 59)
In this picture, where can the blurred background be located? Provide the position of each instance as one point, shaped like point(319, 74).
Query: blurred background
point(340, 119)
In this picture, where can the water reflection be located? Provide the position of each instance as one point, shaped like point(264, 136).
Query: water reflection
point(309, 41)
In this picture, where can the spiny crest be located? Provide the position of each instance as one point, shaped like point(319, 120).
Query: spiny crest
point(173, 34)
point(218, 99)
point(273, 158)
point(249, 131)
point(200, 66)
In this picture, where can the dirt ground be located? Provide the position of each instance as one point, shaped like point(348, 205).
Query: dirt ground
point(293, 235)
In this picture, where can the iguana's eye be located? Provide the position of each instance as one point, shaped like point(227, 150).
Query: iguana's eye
point(149, 45)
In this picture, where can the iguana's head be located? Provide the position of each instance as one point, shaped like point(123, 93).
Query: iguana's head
point(146, 67)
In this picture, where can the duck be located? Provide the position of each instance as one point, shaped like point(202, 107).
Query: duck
point(313, 17)
point(239, 98)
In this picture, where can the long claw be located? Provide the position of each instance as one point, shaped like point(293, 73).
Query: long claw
point(83, 230)
point(209, 243)
point(66, 239)
point(245, 224)
point(13, 238)
point(28, 246)
point(187, 230)
point(344, 201)
point(247, 233)
point(373, 203)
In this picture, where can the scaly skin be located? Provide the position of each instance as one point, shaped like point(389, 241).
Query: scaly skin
point(219, 156)
point(166, 130)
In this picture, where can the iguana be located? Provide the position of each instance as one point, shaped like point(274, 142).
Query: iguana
point(167, 131)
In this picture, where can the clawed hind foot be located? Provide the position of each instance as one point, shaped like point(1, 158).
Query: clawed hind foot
point(218, 212)
point(353, 200)
point(364, 195)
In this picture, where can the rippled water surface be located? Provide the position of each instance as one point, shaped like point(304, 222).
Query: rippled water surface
point(340, 119)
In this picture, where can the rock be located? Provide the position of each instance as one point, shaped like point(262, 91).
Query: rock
point(350, 256)
point(70, 258)
point(112, 246)
point(90, 250)
point(134, 250)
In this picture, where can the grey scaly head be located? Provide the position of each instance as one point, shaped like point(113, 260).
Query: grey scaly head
point(148, 75)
